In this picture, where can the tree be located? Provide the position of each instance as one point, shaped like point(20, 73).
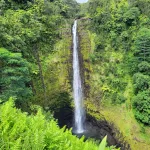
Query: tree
point(141, 82)
point(142, 45)
point(131, 16)
point(14, 75)
point(144, 67)
point(143, 6)
point(141, 104)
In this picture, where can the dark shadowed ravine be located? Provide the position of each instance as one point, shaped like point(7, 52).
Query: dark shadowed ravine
point(96, 129)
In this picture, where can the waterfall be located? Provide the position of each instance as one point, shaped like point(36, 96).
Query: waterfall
point(79, 113)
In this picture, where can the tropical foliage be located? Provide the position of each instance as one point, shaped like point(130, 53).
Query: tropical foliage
point(14, 76)
point(35, 68)
point(122, 50)
point(37, 131)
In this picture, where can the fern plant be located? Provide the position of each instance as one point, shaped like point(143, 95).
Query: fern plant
point(19, 131)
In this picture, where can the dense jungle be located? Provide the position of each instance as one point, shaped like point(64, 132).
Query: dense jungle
point(36, 74)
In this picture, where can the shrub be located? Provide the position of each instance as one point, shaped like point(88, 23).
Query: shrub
point(141, 82)
point(141, 104)
point(118, 84)
point(131, 16)
point(144, 67)
point(14, 75)
point(118, 98)
point(142, 45)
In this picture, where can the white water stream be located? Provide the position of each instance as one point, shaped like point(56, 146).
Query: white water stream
point(79, 113)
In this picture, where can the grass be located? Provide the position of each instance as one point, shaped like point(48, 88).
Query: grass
point(124, 120)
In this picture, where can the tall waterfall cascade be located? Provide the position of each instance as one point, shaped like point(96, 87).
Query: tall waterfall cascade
point(79, 113)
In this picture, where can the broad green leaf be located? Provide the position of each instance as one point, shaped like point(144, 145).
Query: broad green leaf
point(103, 143)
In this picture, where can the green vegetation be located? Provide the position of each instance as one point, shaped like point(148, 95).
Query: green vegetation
point(119, 78)
point(122, 47)
point(32, 30)
point(36, 69)
point(35, 40)
point(14, 76)
point(141, 105)
point(38, 132)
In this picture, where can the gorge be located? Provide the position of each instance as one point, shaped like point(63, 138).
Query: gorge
point(72, 73)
